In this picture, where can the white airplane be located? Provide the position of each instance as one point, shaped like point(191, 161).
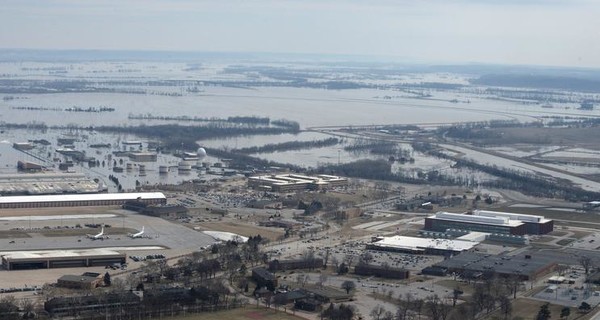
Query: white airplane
point(137, 235)
point(99, 236)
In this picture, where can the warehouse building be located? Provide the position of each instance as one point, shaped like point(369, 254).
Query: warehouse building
point(143, 156)
point(477, 265)
point(421, 245)
point(442, 221)
point(46, 259)
point(80, 200)
point(295, 182)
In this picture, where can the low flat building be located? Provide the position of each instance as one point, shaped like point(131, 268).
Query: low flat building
point(46, 259)
point(79, 282)
point(295, 182)
point(381, 271)
point(143, 156)
point(525, 267)
point(421, 245)
point(283, 265)
point(80, 200)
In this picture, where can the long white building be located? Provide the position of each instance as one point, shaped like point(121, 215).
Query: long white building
point(77, 200)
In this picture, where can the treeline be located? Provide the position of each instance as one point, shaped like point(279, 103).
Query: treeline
point(177, 136)
point(240, 120)
point(245, 162)
point(290, 145)
point(539, 81)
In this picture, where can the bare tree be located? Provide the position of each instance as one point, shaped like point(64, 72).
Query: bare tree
point(586, 263)
point(322, 279)
point(505, 306)
point(335, 262)
point(365, 258)
point(27, 307)
point(348, 285)
point(562, 269)
point(403, 311)
point(377, 312)
point(348, 259)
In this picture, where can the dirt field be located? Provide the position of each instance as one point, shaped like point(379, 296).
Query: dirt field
point(548, 136)
point(248, 313)
point(242, 229)
point(83, 232)
point(9, 234)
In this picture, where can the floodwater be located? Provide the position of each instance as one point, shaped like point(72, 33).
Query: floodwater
point(310, 107)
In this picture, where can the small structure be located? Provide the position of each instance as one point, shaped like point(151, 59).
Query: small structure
point(29, 166)
point(23, 145)
point(163, 211)
point(79, 282)
point(283, 265)
point(381, 271)
point(327, 294)
point(143, 156)
point(264, 278)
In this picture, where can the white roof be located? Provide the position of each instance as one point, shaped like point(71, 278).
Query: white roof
point(511, 216)
point(412, 243)
point(57, 253)
point(83, 197)
point(502, 221)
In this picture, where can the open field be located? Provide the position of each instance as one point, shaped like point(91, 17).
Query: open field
point(242, 229)
point(9, 234)
point(249, 313)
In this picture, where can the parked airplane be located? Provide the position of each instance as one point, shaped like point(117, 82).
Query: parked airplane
point(99, 236)
point(137, 235)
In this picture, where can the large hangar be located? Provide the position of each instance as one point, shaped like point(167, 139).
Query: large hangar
point(46, 259)
point(80, 200)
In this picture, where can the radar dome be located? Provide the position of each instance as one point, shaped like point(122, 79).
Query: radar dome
point(201, 153)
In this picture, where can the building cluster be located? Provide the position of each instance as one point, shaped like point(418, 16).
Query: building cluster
point(47, 183)
point(295, 182)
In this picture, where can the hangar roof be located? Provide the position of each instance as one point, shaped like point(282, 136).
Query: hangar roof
point(83, 197)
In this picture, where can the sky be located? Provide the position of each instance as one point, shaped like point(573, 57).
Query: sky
point(533, 32)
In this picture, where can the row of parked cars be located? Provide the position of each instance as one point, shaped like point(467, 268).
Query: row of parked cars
point(148, 257)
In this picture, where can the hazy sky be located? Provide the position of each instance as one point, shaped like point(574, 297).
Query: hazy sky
point(547, 32)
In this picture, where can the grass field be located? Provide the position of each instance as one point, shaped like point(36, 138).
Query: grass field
point(83, 231)
point(10, 234)
point(247, 313)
